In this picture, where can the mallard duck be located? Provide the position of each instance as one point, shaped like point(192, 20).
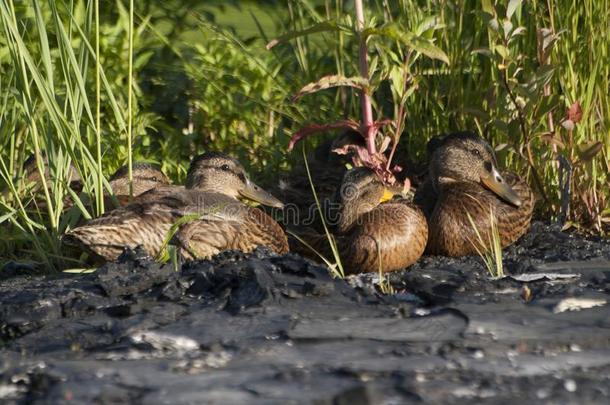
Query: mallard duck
point(145, 177)
point(33, 182)
point(207, 216)
point(327, 169)
point(463, 184)
point(371, 234)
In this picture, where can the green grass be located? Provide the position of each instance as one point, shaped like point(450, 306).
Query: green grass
point(202, 80)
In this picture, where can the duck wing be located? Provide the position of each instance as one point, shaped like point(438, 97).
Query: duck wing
point(390, 237)
point(231, 227)
point(146, 223)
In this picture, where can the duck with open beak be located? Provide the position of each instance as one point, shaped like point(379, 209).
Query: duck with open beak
point(464, 183)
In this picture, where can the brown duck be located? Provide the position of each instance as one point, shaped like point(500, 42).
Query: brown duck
point(371, 234)
point(464, 184)
point(207, 217)
point(145, 177)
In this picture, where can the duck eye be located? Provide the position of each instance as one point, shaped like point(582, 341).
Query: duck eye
point(154, 178)
point(225, 167)
point(475, 152)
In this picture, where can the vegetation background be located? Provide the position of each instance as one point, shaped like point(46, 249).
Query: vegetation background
point(533, 77)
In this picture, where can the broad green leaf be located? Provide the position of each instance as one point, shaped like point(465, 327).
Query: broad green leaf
point(512, 7)
point(502, 51)
point(430, 50)
point(428, 25)
point(414, 42)
point(331, 81)
point(330, 25)
point(488, 7)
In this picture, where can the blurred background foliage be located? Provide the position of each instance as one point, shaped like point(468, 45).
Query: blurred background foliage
point(532, 77)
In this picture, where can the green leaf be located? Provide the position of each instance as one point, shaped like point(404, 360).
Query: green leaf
point(430, 50)
point(428, 25)
point(512, 7)
point(502, 51)
point(409, 39)
point(488, 7)
point(331, 81)
point(330, 25)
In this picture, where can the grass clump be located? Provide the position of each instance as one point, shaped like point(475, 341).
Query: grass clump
point(489, 248)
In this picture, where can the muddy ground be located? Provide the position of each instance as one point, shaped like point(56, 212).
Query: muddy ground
point(266, 329)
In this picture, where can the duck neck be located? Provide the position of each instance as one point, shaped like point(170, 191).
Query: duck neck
point(350, 213)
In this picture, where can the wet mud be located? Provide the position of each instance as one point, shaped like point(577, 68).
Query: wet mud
point(261, 328)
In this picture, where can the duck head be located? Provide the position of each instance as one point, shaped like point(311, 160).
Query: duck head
point(145, 177)
point(219, 173)
point(361, 191)
point(465, 156)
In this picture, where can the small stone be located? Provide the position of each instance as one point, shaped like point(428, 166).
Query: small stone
point(478, 354)
point(575, 348)
point(542, 393)
point(569, 385)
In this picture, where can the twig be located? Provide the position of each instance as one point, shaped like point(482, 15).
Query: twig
point(367, 128)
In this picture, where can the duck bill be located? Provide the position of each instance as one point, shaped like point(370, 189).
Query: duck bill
point(496, 183)
point(387, 195)
point(253, 192)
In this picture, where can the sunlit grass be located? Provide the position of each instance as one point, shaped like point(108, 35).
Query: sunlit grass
point(489, 249)
point(336, 268)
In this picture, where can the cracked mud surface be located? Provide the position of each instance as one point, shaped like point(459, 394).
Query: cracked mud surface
point(265, 329)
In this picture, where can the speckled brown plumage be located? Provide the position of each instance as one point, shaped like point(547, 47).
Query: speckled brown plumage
point(370, 236)
point(208, 216)
point(453, 191)
point(224, 223)
point(145, 177)
point(244, 230)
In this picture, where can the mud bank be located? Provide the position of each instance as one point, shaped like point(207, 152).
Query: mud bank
point(277, 329)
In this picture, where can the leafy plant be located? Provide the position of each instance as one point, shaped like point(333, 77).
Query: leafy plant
point(396, 49)
point(539, 117)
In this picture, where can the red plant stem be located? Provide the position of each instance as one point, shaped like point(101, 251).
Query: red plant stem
point(365, 98)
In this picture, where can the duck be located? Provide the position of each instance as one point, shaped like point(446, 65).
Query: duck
point(205, 217)
point(327, 168)
point(145, 177)
point(372, 233)
point(32, 180)
point(464, 190)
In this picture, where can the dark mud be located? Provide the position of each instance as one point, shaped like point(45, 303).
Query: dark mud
point(266, 329)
